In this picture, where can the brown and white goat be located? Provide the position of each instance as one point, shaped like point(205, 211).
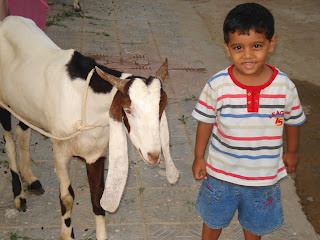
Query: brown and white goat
point(44, 85)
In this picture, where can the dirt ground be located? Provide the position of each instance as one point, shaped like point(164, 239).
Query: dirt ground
point(308, 171)
point(297, 54)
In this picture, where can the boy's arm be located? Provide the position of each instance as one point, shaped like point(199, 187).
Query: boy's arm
point(290, 157)
point(202, 138)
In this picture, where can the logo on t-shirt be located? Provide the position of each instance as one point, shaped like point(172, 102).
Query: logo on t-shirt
point(278, 115)
point(279, 121)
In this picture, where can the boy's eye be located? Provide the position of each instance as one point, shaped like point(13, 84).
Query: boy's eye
point(257, 46)
point(237, 48)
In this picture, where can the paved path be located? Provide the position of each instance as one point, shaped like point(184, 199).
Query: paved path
point(133, 36)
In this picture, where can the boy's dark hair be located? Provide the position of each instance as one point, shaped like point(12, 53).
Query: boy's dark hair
point(249, 16)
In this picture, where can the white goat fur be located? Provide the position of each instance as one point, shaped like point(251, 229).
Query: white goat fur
point(35, 83)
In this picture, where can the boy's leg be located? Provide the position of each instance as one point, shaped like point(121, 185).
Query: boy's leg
point(209, 233)
point(250, 236)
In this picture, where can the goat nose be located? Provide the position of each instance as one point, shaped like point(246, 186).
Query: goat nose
point(153, 158)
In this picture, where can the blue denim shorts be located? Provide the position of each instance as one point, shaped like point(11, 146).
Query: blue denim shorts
point(259, 208)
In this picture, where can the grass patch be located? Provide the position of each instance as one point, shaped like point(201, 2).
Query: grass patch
point(15, 236)
point(4, 164)
point(60, 17)
point(93, 18)
point(100, 33)
point(67, 14)
point(193, 98)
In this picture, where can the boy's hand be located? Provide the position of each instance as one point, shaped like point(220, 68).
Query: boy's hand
point(199, 165)
point(199, 169)
point(290, 160)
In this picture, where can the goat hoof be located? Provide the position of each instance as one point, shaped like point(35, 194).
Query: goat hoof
point(22, 206)
point(173, 175)
point(77, 8)
point(36, 188)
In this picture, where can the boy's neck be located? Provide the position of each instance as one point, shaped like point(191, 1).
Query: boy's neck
point(257, 79)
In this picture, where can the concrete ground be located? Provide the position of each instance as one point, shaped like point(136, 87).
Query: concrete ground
point(135, 37)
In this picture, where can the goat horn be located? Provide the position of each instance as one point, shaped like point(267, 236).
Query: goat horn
point(162, 71)
point(116, 82)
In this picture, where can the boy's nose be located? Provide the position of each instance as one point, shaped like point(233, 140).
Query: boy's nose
point(248, 53)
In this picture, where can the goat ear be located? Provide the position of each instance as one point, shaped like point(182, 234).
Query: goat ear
point(162, 71)
point(118, 167)
point(116, 82)
point(171, 171)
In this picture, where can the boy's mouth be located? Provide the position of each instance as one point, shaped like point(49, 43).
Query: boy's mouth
point(249, 65)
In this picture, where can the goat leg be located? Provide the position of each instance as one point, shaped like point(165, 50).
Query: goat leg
point(95, 173)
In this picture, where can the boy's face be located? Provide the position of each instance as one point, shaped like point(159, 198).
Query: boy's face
point(249, 52)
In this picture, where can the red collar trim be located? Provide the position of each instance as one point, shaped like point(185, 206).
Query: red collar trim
point(256, 88)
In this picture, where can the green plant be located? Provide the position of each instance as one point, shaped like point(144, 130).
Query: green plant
point(88, 235)
point(183, 119)
point(4, 163)
point(56, 19)
point(191, 203)
point(193, 98)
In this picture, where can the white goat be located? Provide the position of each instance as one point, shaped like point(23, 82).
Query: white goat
point(44, 84)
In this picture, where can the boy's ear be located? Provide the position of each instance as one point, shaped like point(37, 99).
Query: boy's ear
point(273, 42)
point(227, 48)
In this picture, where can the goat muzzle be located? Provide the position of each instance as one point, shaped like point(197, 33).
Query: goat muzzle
point(153, 158)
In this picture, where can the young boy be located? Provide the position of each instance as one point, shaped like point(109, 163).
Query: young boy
point(244, 109)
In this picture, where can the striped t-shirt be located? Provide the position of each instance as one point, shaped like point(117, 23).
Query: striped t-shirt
point(246, 144)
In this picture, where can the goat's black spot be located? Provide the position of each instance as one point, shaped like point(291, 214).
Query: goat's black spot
point(71, 191)
point(79, 67)
point(149, 80)
point(16, 184)
point(5, 119)
point(36, 188)
point(99, 211)
point(35, 185)
point(63, 207)
point(72, 234)
point(23, 126)
point(67, 222)
point(133, 77)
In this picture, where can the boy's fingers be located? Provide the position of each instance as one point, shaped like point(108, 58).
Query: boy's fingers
point(199, 170)
point(198, 175)
point(204, 172)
